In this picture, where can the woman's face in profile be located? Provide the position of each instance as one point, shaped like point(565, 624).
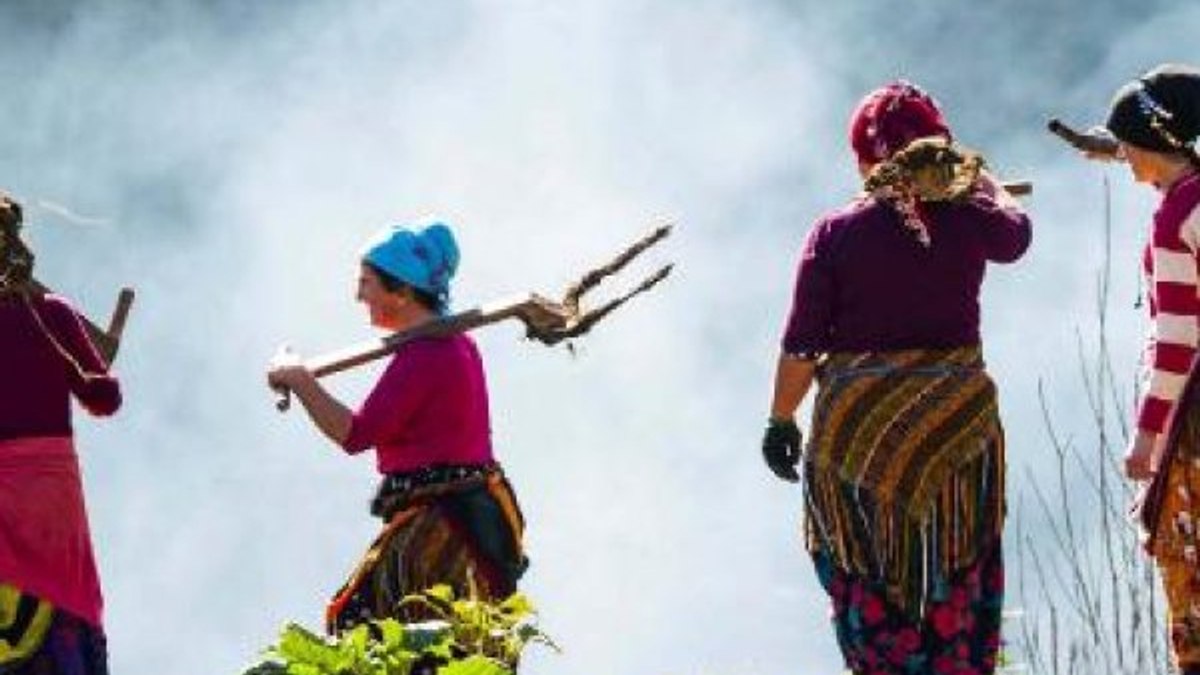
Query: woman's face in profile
point(383, 306)
point(1141, 163)
point(1152, 168)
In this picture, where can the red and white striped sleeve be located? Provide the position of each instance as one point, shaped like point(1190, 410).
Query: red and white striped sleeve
point(1175, 308)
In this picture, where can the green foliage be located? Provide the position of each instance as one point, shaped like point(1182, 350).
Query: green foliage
point(467, 636)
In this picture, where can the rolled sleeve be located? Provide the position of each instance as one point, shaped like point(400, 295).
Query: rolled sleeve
point(387, 410)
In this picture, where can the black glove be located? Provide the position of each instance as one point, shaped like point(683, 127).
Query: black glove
point(781, 449)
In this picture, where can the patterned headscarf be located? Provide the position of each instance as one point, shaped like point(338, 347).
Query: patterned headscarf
point(888, 121)
point(424, 256)
point(891, 117)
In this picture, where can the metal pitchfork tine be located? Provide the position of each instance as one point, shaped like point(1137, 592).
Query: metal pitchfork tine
point(545, 320)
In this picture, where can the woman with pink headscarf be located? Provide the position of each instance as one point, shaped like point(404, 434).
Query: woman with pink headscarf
point(904, 470)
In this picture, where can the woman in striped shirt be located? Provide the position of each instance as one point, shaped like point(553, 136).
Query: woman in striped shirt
point(1156, 118)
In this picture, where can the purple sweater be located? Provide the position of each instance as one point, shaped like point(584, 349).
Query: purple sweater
point(429, 407)
point(36, 382)
point(866, 284)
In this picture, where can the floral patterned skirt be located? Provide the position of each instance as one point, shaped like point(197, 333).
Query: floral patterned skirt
point(1175, 552)
point(1169, 512)
point(959, 633)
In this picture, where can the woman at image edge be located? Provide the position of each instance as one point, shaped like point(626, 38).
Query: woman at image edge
point(450, 516)
point(50, 600)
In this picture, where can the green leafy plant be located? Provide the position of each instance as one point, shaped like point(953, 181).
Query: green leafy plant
point(467, 636)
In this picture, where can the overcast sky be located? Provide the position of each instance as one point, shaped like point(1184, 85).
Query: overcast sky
point(229, 158)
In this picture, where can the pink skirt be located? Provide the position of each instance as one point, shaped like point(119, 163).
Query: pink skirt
point(45, 545)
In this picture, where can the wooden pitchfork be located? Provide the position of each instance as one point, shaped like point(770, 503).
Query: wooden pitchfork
point(547, 321)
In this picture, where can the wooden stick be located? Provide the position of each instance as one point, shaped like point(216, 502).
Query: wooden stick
point(580, 321)
point(546, 321)
point(593, 277)
point(116, 323)
point(1101, 146)
point(107, 341)
point(1018, 188)
point(536, 312)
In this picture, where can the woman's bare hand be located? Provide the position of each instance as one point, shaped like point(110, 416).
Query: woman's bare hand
point(1139, 460)
point(286, 370)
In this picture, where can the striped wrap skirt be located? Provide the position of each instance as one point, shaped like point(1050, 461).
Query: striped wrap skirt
point(457, 526)
point(904, 508)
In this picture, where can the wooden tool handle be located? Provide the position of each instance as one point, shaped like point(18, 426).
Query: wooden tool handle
point(116, 324)
point(1018, 188)
point(530, 308)
point(107, 341)
point(1101, 145)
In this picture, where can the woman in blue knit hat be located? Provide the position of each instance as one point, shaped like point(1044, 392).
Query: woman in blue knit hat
point(449, 514)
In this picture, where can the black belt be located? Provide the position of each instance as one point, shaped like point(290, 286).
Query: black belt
point(397, 489)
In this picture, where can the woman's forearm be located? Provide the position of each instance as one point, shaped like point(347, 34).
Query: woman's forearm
point(793, 378)
point(327, 413)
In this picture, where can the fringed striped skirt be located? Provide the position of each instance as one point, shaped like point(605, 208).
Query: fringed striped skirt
point(904, 502)
point(458, 526)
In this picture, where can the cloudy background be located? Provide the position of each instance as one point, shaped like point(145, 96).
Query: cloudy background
point(227, 159)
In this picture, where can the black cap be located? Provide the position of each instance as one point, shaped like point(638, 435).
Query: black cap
point(1159, 111)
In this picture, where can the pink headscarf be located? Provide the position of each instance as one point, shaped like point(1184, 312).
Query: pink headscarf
point(891, 117)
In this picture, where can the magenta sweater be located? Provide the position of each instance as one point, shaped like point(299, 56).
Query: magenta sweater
point(36, 382)
point(866, 284)
point(430, 407)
